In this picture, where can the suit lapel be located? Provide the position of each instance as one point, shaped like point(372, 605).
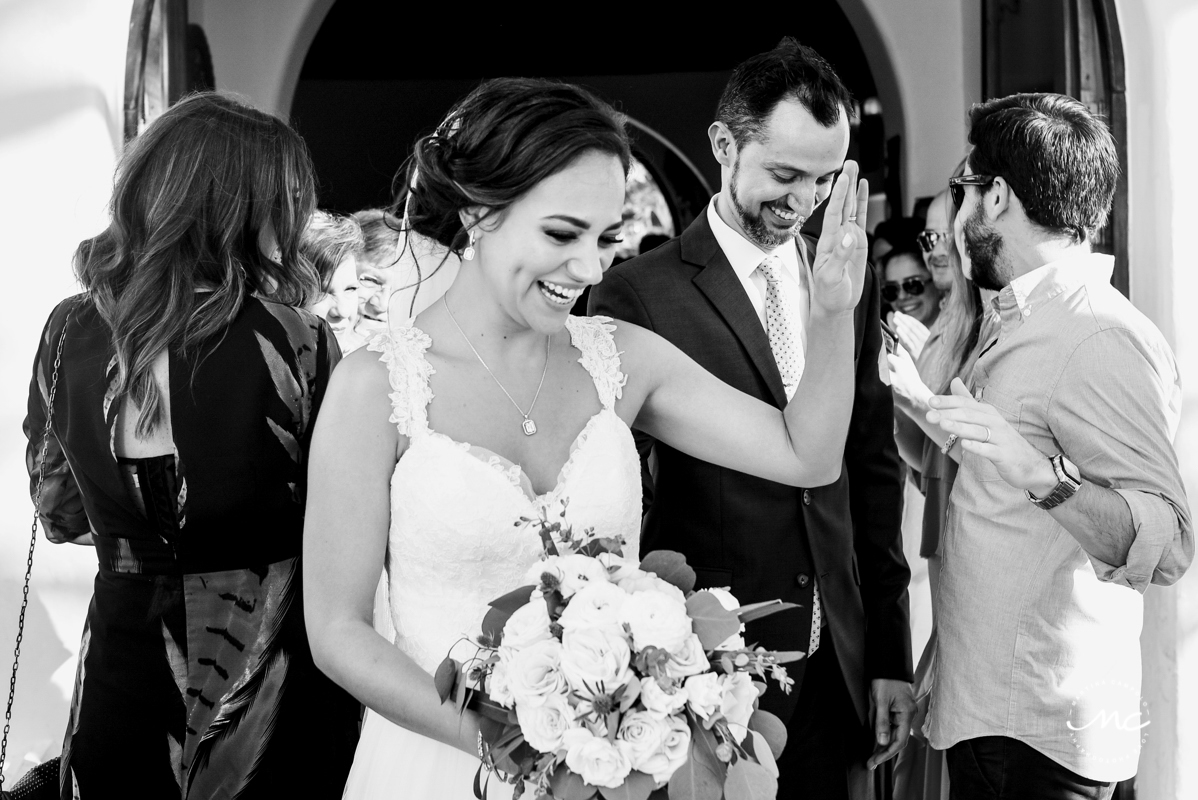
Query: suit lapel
point(719, 284)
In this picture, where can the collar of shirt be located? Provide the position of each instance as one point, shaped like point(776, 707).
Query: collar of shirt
point(743, 255)
point(1033, 289)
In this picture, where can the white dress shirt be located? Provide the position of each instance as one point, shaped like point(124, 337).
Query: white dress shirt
point(745, 257)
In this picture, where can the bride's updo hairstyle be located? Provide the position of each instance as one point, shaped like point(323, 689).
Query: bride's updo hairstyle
point(503, 139)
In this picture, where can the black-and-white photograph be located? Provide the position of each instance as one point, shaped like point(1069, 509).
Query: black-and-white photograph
point(599, 403)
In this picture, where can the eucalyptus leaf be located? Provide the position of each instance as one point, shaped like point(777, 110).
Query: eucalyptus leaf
point(771, 728)
point(695, 779)
point(567, 785)
point(711, 622)
point(637, 786)
point(671, 567)
point(748, 780)
point(755, 611)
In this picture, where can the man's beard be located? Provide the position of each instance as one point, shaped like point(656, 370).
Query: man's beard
point(753, 225)
point(984, 247)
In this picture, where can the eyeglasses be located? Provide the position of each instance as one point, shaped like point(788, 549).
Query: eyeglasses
point(956, 186)
point(914, 286)
point(929, 239)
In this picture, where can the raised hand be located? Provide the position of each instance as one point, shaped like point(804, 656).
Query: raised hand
point(838, 272)
point(910, 392)
point(912, 333)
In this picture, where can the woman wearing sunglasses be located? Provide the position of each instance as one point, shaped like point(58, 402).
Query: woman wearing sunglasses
point(909, 289)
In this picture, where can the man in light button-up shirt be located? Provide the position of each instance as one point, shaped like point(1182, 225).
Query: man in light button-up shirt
point(1069, 501)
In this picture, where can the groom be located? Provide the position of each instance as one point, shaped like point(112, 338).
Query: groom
point(732, 293)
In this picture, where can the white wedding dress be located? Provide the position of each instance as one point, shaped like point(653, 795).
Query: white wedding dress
point(454, 545)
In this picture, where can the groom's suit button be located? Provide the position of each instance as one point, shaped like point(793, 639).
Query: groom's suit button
point(806, 497)
point(802, 581)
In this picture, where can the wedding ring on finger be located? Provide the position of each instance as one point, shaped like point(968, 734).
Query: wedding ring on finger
point(853, 218)
point(987, 439)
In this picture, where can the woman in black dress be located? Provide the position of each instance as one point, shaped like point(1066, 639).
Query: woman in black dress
point(186, 391)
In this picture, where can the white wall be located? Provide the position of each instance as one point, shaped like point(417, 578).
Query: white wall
point(61, 81)
point(1162, 63)
point(927, 55)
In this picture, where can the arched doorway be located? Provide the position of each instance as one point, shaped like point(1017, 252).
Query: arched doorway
point(372, 82)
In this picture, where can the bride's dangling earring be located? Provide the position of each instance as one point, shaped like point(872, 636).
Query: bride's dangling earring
point(468, 253)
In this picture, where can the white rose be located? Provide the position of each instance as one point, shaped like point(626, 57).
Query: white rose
point(649, 582)
point(527, 625)
point(661, 702)
point(676, 747)
point(643, 734)
point(578, 571)
point(736, 704)
point(704, 694)
point(543, 726)
point(595, 660)
point(596, 605)
point(688, 659)
point(596, 760)
point(498, 683)
point(618, 567)
point(656, 620)
point(534, 673)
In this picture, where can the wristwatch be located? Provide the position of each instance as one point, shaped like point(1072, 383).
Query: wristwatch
point(1069, 480)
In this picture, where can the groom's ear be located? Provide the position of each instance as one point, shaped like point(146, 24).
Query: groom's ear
point(723, 144)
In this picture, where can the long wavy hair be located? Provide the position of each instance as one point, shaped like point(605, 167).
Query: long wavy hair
point(194, 196)
point(960, 320)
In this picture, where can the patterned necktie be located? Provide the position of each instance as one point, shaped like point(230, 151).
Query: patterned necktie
point(782, 324)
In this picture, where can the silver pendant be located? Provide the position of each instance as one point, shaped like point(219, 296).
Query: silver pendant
point(529, 427)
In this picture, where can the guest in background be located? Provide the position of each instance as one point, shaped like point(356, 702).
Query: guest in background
point(1069, 501)
point(896, 232)
point(936, 239)
point(377, 280)
point(184, 402)
point(912, 297)
point(400, 272)
point(332, 243)
point(962, 329)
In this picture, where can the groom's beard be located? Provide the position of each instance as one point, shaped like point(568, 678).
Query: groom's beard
point(984, 247)
point(752, 224)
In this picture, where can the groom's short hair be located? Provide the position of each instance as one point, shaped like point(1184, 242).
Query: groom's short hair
point(790, 71)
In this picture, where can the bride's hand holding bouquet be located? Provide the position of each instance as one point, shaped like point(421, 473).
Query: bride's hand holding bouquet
point(605, 676)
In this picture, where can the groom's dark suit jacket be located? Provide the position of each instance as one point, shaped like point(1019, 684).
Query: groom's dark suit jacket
point(763, 539)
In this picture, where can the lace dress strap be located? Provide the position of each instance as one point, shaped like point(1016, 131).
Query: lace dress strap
point(592, 337)
point(403, 351)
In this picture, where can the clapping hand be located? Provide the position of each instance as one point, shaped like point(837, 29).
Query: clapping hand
point(984, 431)
point(911, 394)
point(838, 272)
point(912, 333)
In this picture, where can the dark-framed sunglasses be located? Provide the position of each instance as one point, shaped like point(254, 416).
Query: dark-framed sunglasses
point(929, 239)
point(956, 186)
point(913, 286)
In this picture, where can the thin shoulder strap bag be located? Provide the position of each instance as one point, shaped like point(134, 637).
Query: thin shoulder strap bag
point(42, 780)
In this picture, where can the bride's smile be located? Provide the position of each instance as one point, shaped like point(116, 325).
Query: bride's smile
point(536, 257)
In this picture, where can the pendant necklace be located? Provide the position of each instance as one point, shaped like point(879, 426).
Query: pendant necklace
point(528, 426)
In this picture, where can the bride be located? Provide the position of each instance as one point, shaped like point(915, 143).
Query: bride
point(495, 403)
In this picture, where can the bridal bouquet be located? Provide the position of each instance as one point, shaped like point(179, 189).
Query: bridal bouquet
point(610, 677)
